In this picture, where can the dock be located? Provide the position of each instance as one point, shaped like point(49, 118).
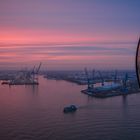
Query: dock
point(112, 93)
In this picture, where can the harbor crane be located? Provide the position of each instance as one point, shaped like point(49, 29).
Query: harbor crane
point(125, 80)
point(101, 78)
point(26, 77)
point(88, 79)
point(115, 76)
point(93, 78)
point(37, 70)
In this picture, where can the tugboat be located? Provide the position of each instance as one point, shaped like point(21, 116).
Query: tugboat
point(71, 108)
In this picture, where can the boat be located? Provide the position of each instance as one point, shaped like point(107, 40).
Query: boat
point(5, 83)
point(71, 108)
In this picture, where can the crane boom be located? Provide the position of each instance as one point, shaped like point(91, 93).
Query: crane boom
point(32, 72)
point(86, 72)
point(101, 78)
point(125, 80)
point(38, 68)
point(115, 76)
point(93, 74)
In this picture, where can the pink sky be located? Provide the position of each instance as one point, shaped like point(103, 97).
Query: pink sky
point(68, 35)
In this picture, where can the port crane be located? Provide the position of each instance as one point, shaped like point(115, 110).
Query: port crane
point(93, 78)
point(26, 77)
point(124, 81)
point(35, 72)
point(115, 76)
point(102, 79)
point(88, 79)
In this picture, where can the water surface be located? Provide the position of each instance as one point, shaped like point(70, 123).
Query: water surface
point(35, 113)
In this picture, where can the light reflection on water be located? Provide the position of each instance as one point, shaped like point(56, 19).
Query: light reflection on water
point(35, 112)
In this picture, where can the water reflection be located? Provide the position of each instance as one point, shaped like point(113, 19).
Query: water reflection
point(32, 89)
point(125, 106)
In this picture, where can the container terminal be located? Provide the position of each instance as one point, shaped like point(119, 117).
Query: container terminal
point(100, 84)
point(23, 77)
point(116, 87)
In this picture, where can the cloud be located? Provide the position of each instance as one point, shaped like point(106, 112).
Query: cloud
point(76, 31)
point(62, 55)
point(67, 50)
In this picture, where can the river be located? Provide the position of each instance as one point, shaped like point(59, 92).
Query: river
point(36, 113)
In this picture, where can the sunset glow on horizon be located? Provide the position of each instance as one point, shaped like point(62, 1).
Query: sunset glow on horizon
point(72, 34)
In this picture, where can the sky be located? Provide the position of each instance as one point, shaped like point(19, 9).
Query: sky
point(69, 34)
